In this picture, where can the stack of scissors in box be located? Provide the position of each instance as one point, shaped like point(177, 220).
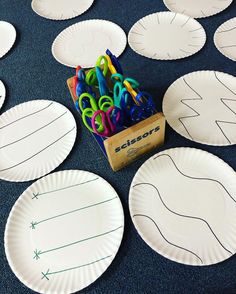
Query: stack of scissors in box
point(107, 100)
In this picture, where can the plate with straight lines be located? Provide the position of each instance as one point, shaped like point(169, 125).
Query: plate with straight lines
point(167, 36)
point(2, 93)
point(199, 8)
point(225, 37)
point(201, 106)
point(64, 231)
point(35, 137)
point(191, 220)
point(60, 9)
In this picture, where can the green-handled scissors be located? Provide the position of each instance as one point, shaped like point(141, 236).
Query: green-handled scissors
point(104, 104)
point(91, 77)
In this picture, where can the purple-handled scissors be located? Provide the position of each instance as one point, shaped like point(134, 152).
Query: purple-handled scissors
point(107, 120)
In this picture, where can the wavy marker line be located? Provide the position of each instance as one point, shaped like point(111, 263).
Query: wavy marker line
point(1, 147)
point(45, 275)
point(37, 152)
point(189, 116)
point(228, 46)
point(36, 223)
point(26, 116)
point(143, 215)
point(195, 178)
point(36, 195)
point(223, 84)
point(182, 215)
point(39, 252)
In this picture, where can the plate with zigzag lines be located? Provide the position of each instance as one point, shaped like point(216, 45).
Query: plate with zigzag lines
point(201, 106)
point(182, 202)
point(64, 231)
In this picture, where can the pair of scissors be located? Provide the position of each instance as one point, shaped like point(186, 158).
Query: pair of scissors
point(103, 116)
point(120, 86)
point(91, 77)
point(134, 112)
point(80, 84)
point(113, 63)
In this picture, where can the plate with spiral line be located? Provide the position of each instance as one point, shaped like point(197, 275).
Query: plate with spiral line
point(64, 231)
point(182, 202)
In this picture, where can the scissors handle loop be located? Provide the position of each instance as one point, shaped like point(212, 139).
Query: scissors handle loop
point(88, 98)
point(91, 77)
point(105, 102)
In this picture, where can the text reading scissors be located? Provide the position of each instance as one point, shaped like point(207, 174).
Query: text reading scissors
point(103, 116)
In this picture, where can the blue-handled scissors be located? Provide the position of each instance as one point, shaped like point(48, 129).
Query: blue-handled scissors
point(102, 83)
point(134, 112)
point(82, 86)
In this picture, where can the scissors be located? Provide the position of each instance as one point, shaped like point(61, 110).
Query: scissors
point(91, 77)
point(103, 116)
point(81, 85)
point(135, 112)
point(102, 83)
point(109, 122)
point(113, 63)
point(120, 86)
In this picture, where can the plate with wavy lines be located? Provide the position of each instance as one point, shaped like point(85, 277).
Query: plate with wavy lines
point(201, 106)
point(35, 137)
point(199, 8)
point(60, 9)
point(82, 43)
point(225, 37)
point(2, 93)
point(167, 36)
point(64, 231)
point(183, 204)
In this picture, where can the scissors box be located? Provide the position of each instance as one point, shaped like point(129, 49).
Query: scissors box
point(126, 146)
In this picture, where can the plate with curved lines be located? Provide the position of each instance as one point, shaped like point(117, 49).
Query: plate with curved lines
point(201, 106)
point(199, 8)
point(224, 38)
point(35, 137)
point(60, 9)
point(166, 36)
point(64, 231)
point(182, 202)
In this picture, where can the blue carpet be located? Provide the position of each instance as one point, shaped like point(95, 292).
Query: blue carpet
point(30, 72)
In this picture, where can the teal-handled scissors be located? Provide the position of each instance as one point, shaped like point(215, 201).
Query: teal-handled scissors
point(91, 76)
point(120, 87)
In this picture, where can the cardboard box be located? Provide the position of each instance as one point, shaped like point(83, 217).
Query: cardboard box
point(131, 143)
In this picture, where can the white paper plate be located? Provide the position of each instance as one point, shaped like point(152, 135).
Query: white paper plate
point(60, 9)
point(166, 36)
point(2, 93)
point(7, 37)
point(35, 137)
point(201, 106)
point(225, 37)
point(199, 8)
point(64, 231)
point(82, 43)
point(182, 203)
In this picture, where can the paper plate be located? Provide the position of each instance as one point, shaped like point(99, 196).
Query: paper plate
point(224, 38)
point(199, 8)
point(2, 93)
point(64, 231)
point(82, 43)
point(60, 9)
point(35, 137)
point(182, 202)
point(201, 106)
point(7, 37)
point(148, 36)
